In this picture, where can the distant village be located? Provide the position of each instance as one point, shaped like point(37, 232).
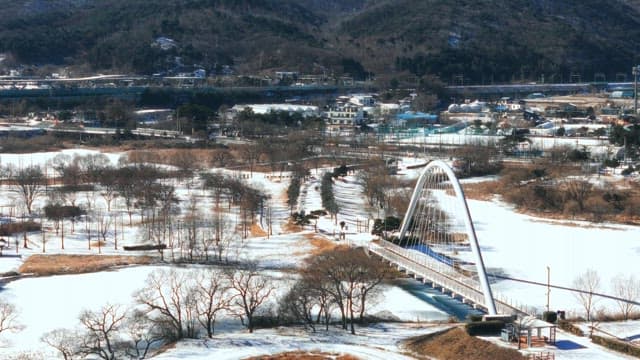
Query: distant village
point(535, 114)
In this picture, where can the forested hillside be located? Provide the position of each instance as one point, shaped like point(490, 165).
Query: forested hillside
point(479, 41)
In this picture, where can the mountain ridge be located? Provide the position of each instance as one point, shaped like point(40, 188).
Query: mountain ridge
point(459, 41)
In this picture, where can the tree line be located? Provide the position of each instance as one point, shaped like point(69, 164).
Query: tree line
point(70, 191)
point(175, 304)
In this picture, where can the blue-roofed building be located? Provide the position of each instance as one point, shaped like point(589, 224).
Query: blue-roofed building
point(414, 119)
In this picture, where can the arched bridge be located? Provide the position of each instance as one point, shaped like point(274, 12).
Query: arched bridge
point(437, 242)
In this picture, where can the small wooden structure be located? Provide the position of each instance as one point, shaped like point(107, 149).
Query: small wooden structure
point(529, 332)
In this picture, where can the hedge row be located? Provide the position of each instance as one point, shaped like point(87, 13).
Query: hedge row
point(326, 193)
point(293, 192)
point(568, 326)
point(616, 345)
point(490, 327)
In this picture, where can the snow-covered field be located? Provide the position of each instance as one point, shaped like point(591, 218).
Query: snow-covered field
point(597, 147)
point(523, 246)
point(380, 341)
point(518, 245)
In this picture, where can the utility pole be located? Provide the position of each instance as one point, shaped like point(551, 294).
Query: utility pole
point(548, 286)
point(635, 71)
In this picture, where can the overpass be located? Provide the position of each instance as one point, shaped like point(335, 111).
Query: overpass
point(521, 90)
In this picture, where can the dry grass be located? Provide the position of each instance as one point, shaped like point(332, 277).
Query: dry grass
point(455, 344)
point(43, 265)
point(257, 231)
point(291, 227)
point(299, 355)
point(99, 243)
point(483, 191)
point(561, 220)
point(320, 244)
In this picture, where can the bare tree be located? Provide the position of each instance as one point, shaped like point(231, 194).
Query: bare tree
point(578, 191)
point(187, 164)
point(589, 283)
point(219, 158)
point(104, 224)
point(126, 186)
point(165, 297)
point(63, 340)
point(351, 279)
point(59, 163)
point(144, 333)
point(28, 183)
point(250, 291)
point(251, 153)
point(210, 291)
point(8, 318)
point(192, 229)
point(93, 166)
point(300, 302)
point(215, 182)
point(102, 326)
point(225, 237)
point(108, 185)
point(375, 182)
point(626, 287)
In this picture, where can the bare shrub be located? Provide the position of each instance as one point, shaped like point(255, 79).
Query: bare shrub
point(9, 318)
point(627, 287)
point(589, 283)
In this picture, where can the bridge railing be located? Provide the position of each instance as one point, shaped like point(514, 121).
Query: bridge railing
point(469, 292)
point(441, 275)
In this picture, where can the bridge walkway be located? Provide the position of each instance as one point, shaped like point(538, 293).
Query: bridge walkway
point(446, 277)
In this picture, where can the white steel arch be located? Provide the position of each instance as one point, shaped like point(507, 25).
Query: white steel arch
point(435, 172)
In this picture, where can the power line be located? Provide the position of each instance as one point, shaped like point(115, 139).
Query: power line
point(566, 288)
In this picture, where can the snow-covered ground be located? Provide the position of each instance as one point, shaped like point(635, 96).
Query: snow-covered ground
point(44, 157)
point(52, 302)
point(523, 246)
point(597, 147)
point(519, 246)
point(380, 341)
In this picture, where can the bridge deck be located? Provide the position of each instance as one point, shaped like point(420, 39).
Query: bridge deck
point(445, 276)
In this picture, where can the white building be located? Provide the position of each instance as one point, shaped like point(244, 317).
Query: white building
point(350, 111)
point(365, 100)
point(305, 110)
point(164, 43)
point(345, 115)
